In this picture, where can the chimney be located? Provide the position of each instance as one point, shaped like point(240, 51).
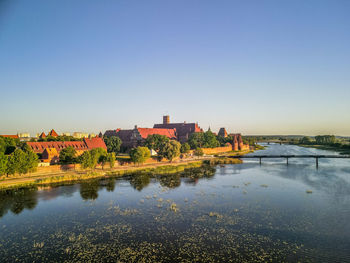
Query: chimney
point(166, 119)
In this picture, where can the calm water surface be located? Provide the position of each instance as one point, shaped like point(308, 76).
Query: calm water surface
point(235, 213)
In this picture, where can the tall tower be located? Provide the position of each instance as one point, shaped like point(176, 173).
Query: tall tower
point(166, 119)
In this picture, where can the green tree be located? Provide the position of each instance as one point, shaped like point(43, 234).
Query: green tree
point(196, 140)
point(185, 148)
point(305, 140)
point(98, 156)
point(16, 162)
point(140, 154)
point(8, 145)
point(3, 163)
point(111, 159)
point(198, 152)
point(156, 142)
point(32, 160)
point(113, 144)
point(203, 139)
point(68, 155)
point(89, 159)
point(325, 139)
point(210, 140)
point(86, 160)
point(170, 150)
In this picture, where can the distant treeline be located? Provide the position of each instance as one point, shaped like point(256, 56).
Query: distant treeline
point(326, 140)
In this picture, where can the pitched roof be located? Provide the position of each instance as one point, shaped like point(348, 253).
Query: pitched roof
point(145, 132)
point(10, 136)
point(42, 135)
point(181, 128)
point(95, 142)
point(39, 147)
point(53, 133)
point(223, 132)
point(51, 152)
point(124, 135)
point(109, 133)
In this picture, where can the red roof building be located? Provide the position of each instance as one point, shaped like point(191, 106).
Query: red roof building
point(42, 135)
point(53, 133)
point(86, 144)
point(145, 132)
point(137, 136)
point(95, 142)
point(183, 130)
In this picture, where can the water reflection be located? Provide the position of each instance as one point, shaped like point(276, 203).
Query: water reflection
point(240, 213)
point(89, 190)
point(17, 201)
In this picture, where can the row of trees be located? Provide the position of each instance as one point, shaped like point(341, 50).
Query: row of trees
point(203, 140)
point(19, 161)
point(165, 148)
point(319, 140)
point(89, 159)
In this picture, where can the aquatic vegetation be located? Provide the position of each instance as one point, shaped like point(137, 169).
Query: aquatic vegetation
point(309, 191)
point(38, 244)
point(215, 214)
point(264, 185)
point(201, 220)
point(173, 207)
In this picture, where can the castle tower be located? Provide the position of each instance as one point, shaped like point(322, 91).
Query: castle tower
point(235, 143)
point(166, 119)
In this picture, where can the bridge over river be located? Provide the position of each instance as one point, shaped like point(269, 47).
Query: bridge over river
point(287, 157)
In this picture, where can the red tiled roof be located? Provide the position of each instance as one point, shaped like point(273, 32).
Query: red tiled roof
point(53, 133)
point(10, 136)
point(95, 142)
point(39, 147)
point(182, 129)
point(145, 132)
point(42, 135)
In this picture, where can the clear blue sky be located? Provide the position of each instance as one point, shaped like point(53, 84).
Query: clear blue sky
point(256, 67)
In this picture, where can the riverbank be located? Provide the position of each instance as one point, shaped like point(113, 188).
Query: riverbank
point(74, 176)
point(340, 149)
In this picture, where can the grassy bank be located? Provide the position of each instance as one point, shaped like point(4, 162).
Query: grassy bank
point(342, 149)
point(80, 175)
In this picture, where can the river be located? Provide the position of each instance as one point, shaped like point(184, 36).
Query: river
point(233, 213)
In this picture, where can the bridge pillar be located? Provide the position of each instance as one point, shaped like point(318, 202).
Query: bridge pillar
point(260, 160)
point(317, 162)
point(287, 161)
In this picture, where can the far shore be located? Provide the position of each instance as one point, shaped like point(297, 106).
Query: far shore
point(77, 175)
point(326, 147)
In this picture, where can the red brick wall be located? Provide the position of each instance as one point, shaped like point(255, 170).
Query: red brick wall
point(217, 150)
